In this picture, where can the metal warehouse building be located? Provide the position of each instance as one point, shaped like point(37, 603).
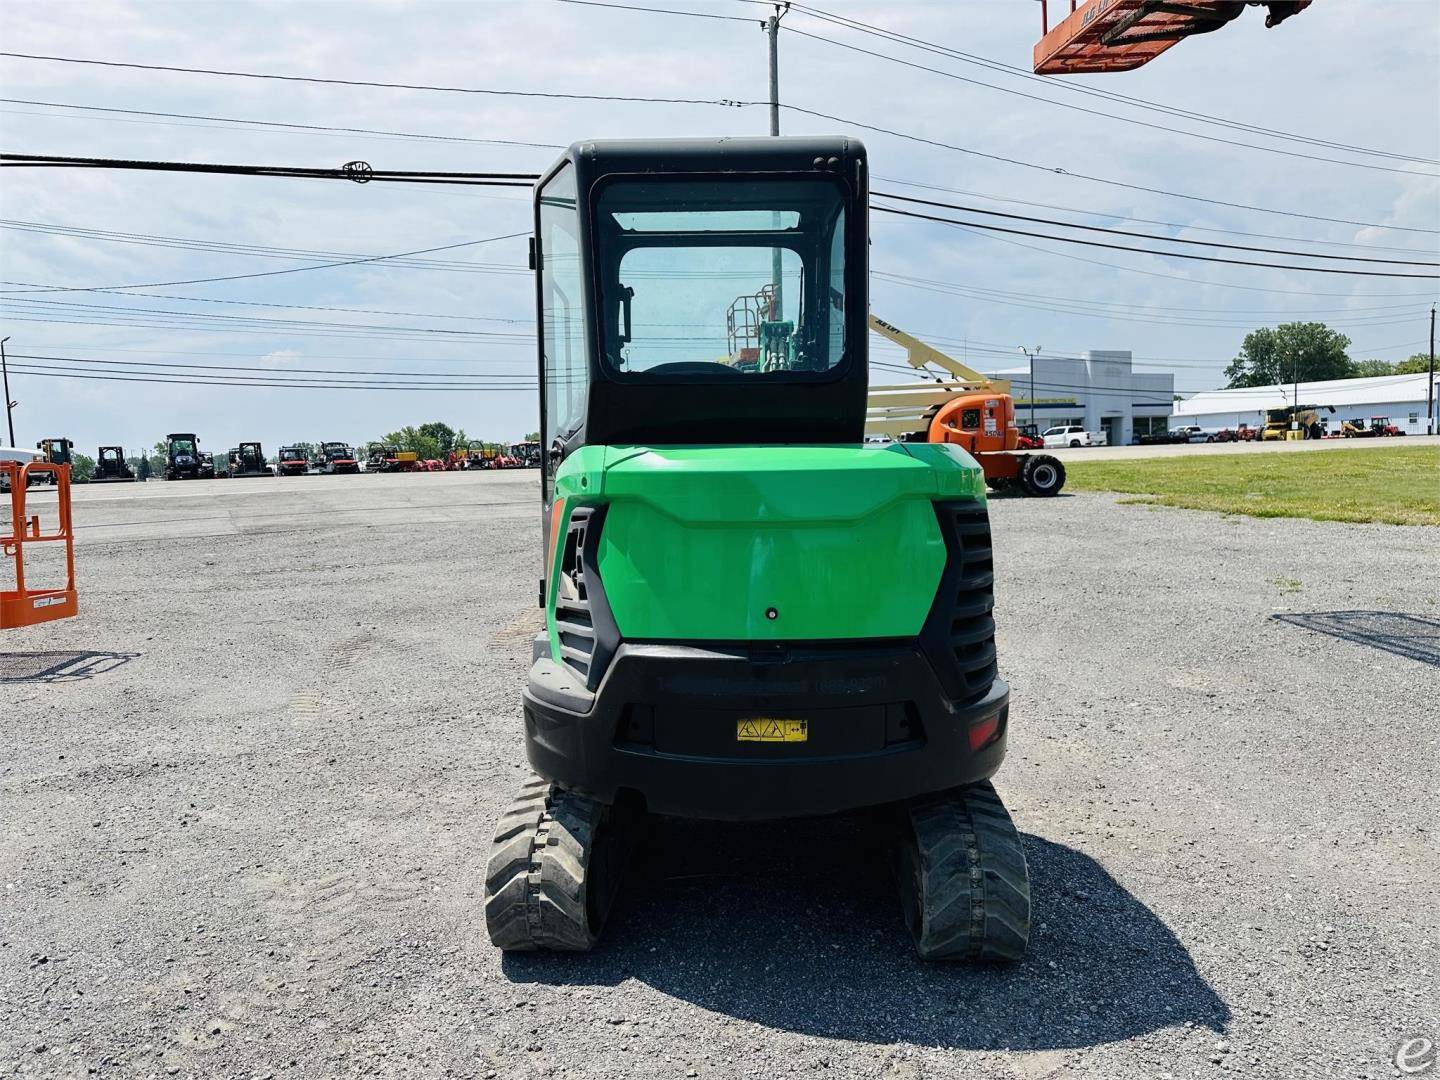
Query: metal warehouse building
point(1100, 391)
point(1400, 397)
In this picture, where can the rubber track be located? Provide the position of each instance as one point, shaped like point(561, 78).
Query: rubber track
point(968, 881)
point(536, 879)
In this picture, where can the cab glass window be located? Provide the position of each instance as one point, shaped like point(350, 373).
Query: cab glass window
point(722, 278)
point(562, 310)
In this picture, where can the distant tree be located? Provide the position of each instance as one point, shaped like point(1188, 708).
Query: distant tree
point(1306, 352)
point(1374, 367)
point(82, 467)
point(1418, 364)
point(140, 464)
point(442, 433)
point(533, 436)
point(414, 440)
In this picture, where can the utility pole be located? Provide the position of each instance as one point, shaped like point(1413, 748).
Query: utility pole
point(1430, 397)
point(1031, 357)
point(10, 419)
point(772, 28)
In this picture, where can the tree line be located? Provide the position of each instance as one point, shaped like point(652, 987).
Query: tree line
point(1307, 352)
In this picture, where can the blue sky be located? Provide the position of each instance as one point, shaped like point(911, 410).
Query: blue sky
point(1360, 74)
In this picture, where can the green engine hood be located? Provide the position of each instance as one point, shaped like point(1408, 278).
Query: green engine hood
point(700, 543)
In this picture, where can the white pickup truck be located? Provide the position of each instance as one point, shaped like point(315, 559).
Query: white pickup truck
point(1057, 438)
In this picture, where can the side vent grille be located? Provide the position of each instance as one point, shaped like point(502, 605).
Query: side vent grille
point(972, 624)
point(574, 620)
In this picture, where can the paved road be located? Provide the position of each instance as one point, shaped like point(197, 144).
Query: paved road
point(247, 793)
point(1112, 453)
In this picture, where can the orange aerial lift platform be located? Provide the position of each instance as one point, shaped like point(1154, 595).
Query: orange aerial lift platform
point(1118, 35)
point(22, 605)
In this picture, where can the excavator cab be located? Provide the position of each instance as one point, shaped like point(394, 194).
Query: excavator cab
point(1118, 35)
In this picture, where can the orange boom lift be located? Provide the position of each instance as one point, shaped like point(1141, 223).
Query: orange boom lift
point(24, 606)
point(1118, 35)
point(971, 411)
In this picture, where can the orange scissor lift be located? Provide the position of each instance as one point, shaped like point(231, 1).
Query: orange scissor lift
point(23, 606)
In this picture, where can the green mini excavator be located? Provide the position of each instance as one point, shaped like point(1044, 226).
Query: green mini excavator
point(750, 613)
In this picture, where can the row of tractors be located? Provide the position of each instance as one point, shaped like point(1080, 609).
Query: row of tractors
point(521, 455)
point(184, 460)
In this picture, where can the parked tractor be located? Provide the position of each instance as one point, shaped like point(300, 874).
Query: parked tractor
point(182, 457)
point(58, 451)
point(527, 454)
point(337, 457)
point(292, 461)
point(248, 459)
point(111, 467)
point(1294, 423)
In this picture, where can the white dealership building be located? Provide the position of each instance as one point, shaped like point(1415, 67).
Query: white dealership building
point(1100, 391)
point(1399, 397)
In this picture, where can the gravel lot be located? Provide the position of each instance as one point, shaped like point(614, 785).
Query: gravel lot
point(246, 797)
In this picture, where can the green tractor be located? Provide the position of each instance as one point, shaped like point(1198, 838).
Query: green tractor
point(751, 614)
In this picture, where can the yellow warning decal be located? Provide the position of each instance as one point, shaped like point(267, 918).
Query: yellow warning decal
point(765, 729)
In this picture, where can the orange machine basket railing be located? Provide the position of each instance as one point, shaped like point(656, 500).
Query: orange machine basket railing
point(22, 606)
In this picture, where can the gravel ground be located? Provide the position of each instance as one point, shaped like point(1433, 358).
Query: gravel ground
point(246, 797)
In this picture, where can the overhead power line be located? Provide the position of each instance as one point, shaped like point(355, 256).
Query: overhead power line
point(1139, 220)
point(889, 36)
point(282, 372)
point(377, 84)
point(281, 324)
point(1148, 251)
point(1151, 236)
point(1169, 130)
point(358, 172)
point(659, 11)
point(297, 128)
point(230, 247)
point(340, 131)
point(1095, 179)
point(1189, 281)
point(277, 273)
point(1090, 90)
point(62, 372)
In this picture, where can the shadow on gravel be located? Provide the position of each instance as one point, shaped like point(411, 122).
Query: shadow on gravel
point(1416, 637)
point(797, 926)
point(48, 667)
